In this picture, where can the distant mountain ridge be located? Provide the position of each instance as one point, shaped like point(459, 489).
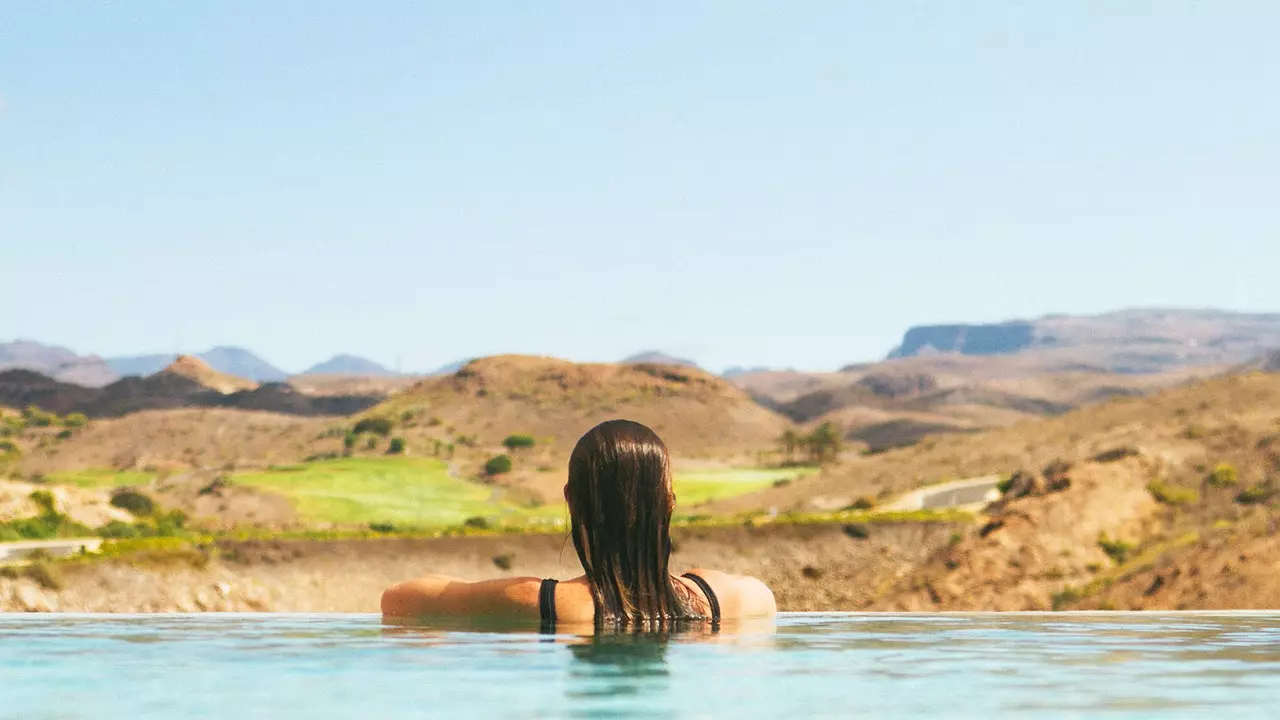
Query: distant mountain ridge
point(230, 360)
point(655, 357)
point(56, 362)
point(349, 365)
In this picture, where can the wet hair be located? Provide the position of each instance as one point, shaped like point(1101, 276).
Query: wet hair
point(620, 504)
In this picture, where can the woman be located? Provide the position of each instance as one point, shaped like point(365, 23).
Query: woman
point(620, 503)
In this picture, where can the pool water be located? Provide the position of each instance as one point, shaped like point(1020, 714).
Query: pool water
point(820, 664)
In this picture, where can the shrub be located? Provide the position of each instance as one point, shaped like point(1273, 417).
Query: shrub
point(1255, 495)
point(375, 425)
point(396, 447)
point(44, 500)
point(1117, 550)
point(498, 465)
point(349, 441)
point(382, 527)
point(117, 530)
point(1223, 476)
point(1004, 485)
point(7, 446)
point(504, 561)
point(63, 434)
point(372, 443)
point(519, 442)
point(75, 420)
point(1172, 495)
point(137, 503)
point(171, 523)
point(477, 523)
point(866, 502)
point(35, 417)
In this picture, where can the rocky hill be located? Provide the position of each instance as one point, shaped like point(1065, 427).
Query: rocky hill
point(1130, 341)
point(694, 411)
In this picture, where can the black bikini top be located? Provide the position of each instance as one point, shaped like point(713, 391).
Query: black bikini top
point(547, 600)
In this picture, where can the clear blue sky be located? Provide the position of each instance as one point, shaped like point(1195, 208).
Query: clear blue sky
point(788, 184)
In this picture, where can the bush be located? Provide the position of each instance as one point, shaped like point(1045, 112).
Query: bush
point(504, 561)
point(1255, 495)
point(171, 523)
point(1004, 485)
point(117, 530)
point(63, 434)
point(498, 465)
point(135, 502)
point(1172, 495)
point(1223, 476)
point(396, 447)
point(35, 417)
point(477, 523)
point(349, 441)
point(44, 500)
point(7, 446)
point(519, 442)
point(375, 425)
point(1117, 550)
point(75, 420)
point(372, 444)
point(382, 527)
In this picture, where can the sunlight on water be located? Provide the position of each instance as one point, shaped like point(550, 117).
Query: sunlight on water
point(1017, 665)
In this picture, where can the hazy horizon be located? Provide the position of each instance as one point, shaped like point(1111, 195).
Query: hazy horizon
point(753, 185)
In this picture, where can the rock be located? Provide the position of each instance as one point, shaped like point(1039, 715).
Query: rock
point(30, 598)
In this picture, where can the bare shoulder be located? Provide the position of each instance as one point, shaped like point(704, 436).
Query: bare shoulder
point(740, 596)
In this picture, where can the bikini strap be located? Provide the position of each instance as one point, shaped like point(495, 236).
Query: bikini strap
point(547, 604)
point(711, 595)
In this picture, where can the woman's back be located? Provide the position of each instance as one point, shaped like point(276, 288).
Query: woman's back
point(620, 504)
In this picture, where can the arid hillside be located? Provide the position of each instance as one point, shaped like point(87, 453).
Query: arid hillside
point(1188, 424)
point(897, 403)
point(556, 401)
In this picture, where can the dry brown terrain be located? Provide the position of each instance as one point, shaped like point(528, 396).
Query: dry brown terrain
point(331, 385)
point(698, 414)
point(898, 402)
point(1187, 426)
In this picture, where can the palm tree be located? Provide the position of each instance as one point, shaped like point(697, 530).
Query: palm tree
point(790, 440)
point(823, 443)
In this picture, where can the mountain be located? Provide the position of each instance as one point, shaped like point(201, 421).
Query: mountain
point(229, 360)
point(1128, 341)
point(141, 365)
point(199, 371)
point(738, 371)
point(654, 357)
point(350, 365)
point(57, 363)
point(242, 363)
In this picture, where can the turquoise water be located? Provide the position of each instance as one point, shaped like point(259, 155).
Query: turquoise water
point(963, 665)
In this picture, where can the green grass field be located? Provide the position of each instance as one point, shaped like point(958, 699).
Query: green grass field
point(407, 492)
point(694, 488)
point(420, 493)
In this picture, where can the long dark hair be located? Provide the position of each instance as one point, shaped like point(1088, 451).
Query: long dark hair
point(620, 503)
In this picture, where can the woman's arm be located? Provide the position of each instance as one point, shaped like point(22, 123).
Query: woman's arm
point(445, 595)
point(741, 596)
